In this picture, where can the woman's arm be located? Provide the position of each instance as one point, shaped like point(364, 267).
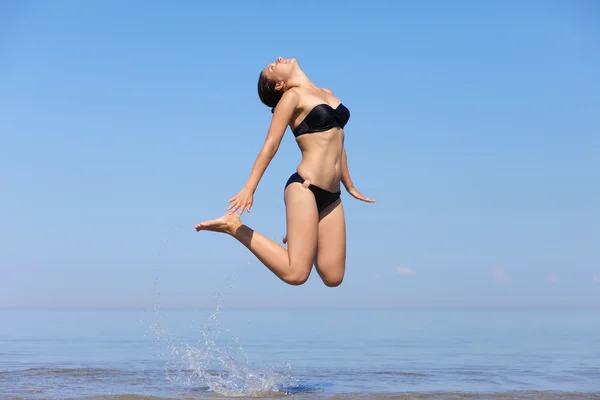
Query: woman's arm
point(281, 118)
point(346, 181)
point(348, 184)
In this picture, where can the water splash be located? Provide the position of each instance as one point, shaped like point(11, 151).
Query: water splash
point(212, 365)
point(223, 369)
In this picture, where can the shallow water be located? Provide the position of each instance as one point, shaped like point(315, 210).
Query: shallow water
point(300, 354)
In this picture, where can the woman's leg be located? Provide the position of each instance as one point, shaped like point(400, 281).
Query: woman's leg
point(292, 266)
point(331, 249)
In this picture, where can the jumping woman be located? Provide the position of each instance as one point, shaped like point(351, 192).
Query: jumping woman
point(316, 228)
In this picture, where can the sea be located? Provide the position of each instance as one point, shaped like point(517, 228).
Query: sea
point(221, 353)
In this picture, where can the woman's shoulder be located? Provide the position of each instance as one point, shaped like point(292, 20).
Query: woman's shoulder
point(288, 102)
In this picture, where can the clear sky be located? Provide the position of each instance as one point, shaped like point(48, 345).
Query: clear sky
point(475, 126)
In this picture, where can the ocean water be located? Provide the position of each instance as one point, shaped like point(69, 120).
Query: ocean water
point(299, 354)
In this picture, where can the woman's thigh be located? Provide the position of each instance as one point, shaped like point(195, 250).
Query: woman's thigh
point(302, 219)
point(331, 245)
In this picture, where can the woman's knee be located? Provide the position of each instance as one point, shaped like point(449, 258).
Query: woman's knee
point(332, 275)
point(298, 271)
point(333, 281)
point(296, 276)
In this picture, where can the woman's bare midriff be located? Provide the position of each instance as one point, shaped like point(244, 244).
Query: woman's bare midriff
point(321, 163)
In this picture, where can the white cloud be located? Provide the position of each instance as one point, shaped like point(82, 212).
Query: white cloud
point(499, 274)
point(405, 271)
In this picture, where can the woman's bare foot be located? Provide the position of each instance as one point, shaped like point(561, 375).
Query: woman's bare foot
point(228, 223)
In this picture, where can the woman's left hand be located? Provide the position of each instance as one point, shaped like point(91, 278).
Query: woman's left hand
point(357, 195)
point(241, 202)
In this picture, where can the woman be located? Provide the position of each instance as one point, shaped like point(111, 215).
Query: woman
point(316, 230)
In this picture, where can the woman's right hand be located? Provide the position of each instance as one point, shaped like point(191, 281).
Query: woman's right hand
point(241, 201)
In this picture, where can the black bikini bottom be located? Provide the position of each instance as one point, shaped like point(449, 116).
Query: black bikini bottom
point(323, 197)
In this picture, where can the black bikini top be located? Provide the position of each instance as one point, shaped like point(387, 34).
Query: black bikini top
point(323, 117)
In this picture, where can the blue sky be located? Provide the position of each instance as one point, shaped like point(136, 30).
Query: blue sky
point(475, 126)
